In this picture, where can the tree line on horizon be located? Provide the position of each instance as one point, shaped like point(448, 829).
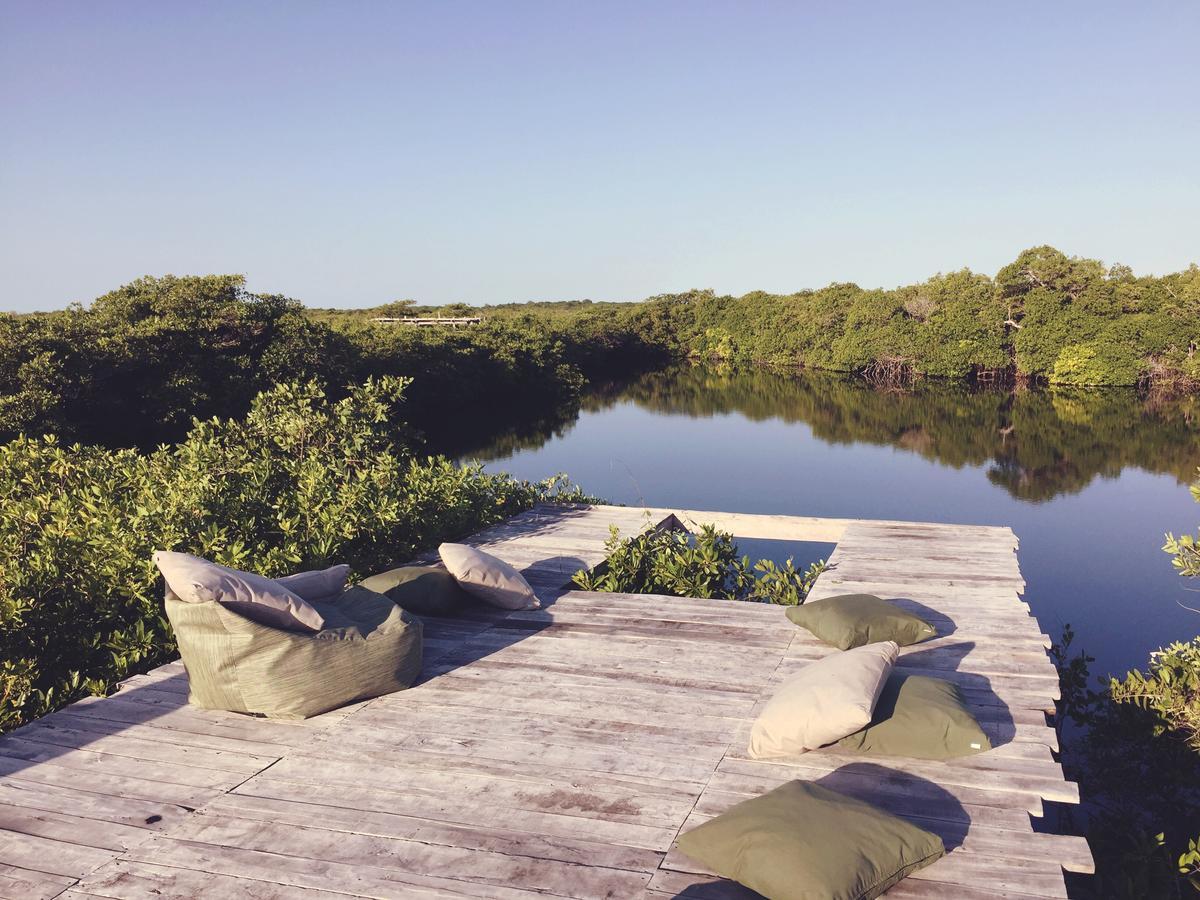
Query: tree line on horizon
point(135, 365)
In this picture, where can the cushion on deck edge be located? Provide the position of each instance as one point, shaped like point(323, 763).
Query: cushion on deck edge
point(803, 841)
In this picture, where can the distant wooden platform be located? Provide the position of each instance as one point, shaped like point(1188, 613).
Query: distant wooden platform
point(549, 753)
point(425, 321)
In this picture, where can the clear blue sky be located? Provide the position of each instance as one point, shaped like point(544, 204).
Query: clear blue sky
point(352, 153)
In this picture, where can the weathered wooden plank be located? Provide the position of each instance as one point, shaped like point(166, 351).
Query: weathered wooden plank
point(499, 837)
point(662, 675)
point(578, 690)
point(108, 774)
point(1028, 787)
point(118, 744)
point(91, 721)
point(73, 829)
point(555, 817)
point(128, 880)
point(296, 876)
point(193, 720)
point(613, 711)
point(53, 799)
point(578, 686)
point(25, 884)
point(40, 854)
point(387, 855)
point(598, 761)
point(480, 723)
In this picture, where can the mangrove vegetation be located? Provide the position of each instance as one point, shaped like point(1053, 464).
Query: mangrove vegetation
point(135, 365)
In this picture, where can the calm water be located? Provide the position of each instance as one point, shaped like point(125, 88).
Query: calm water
point(1089, 481)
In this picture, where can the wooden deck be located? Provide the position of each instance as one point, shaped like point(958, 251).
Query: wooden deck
point(549, 753)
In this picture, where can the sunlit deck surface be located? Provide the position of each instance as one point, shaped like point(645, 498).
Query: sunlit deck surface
point(550, 753)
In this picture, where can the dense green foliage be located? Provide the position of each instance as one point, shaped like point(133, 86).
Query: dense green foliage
point(1046, 316)
point(135, 366)
point(132, 368)
point(1185, 549)
point(1170, 689)
point(299, 482)
point(675, 563)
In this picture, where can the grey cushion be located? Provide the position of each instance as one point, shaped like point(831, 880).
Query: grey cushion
point(318, 584)
point(195, 580)
point(824, 701)
point(487, 577)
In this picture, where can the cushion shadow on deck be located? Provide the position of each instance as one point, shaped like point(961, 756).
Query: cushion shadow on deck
point(554, 752)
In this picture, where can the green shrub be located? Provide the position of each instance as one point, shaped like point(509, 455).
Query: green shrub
point(1185, 549)
point(1095, 364)
point(1170, 689)
point(300, 482)
point(1076, 365)
point(672, 562)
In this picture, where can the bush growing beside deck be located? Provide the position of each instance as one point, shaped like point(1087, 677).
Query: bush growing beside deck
point(670, 562)
point(300, 482)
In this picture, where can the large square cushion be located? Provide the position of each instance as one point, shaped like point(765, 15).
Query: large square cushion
point(803, 841)
point(851, 620)
point(920, 717)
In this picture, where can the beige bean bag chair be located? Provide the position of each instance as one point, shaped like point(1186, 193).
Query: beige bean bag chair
point(317, 655)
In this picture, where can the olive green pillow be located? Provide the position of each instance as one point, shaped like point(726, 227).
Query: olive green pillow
point(925, 718)
point(852, 620)
point(803, 841)
point(421, 590)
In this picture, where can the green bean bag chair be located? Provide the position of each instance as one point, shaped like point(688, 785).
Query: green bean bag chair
point(368, 646)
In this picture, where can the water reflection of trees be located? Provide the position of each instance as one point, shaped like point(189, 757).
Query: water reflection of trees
point(1037, 444)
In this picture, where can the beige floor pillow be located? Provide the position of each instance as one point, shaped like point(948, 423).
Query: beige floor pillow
point(823, 702)
point(196, 580)
point(490, 579)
